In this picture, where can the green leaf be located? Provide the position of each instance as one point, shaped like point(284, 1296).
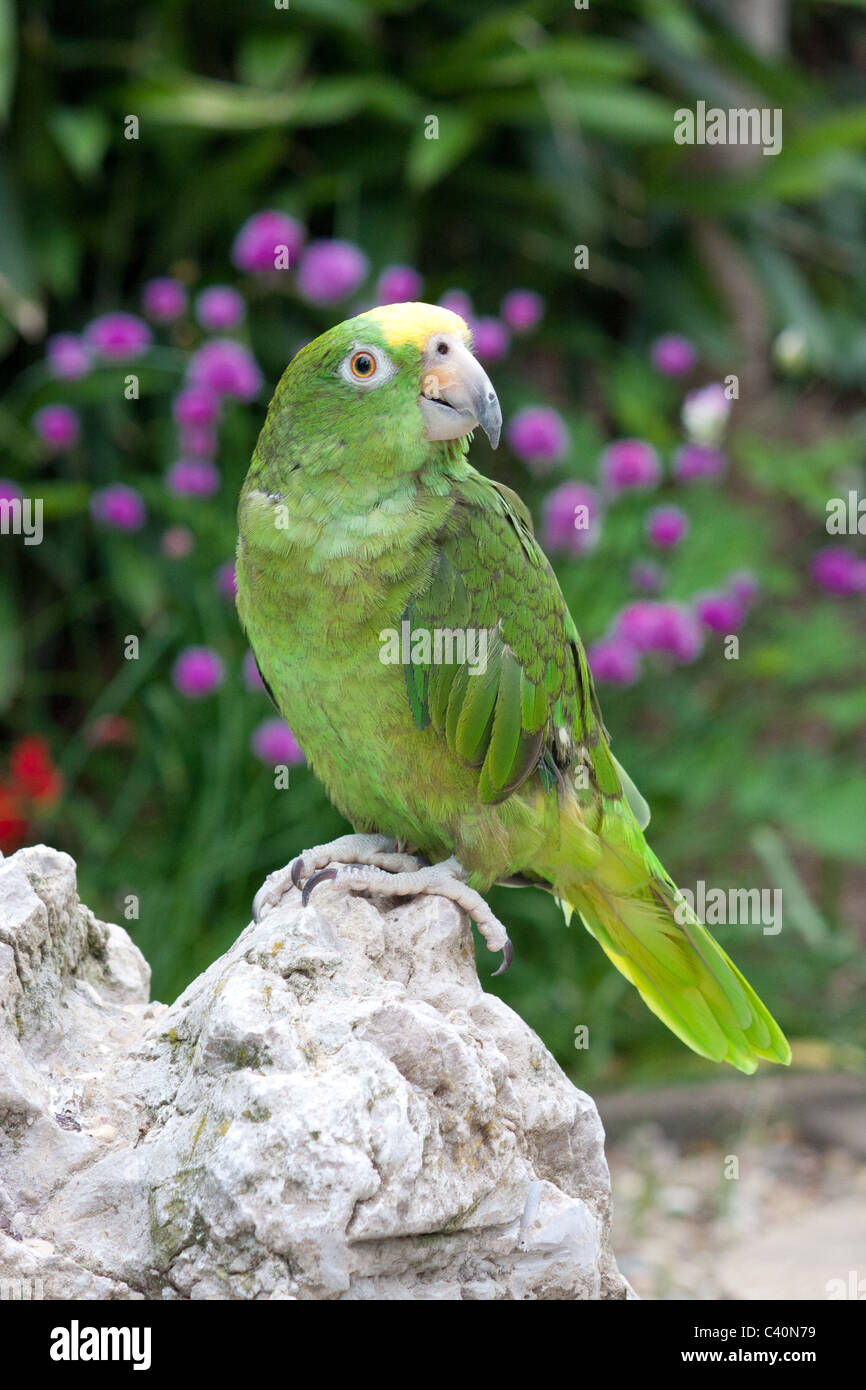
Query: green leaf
point(270, 60)
point(620, 113)
point(328, 100)
point(83, 136)
point(799, 909)
point(197, 101)
point(431, 159)
point(557, 58)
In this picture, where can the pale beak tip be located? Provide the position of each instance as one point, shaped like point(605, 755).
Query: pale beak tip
point(490, 419)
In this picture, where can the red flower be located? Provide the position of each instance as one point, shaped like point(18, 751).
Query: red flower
point(13, 825)
point(34, 784)
point(34, 776)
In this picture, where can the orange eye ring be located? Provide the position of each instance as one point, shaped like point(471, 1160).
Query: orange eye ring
point(363, 365)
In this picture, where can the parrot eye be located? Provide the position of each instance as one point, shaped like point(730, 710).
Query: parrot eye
point(363, 365)
point(367, 366)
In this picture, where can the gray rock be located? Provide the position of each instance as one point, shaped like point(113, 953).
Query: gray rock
point(335, 1109)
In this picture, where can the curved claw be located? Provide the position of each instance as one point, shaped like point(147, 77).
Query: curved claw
point(297, 866)
point(507, 958)
point(313, 880)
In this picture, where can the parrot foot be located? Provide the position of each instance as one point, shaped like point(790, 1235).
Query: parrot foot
point(446, 880)
point(376, 850)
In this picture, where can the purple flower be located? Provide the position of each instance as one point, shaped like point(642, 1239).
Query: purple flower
point(571, 518)
point(250, 672)
point(666, 628)
point(697, 461)
point(177, 542)
point(637, 624)
point(9, 491)
point(118, 336)
point(491, 339)
point(274, 743)
point(838, 570)
point(538, 436)
point(646, 576)
point(57, 426)
point(197, 672)
point(118, 506)
point(677, 633)
point(198, 441)
point(458, 302)
point(220, 308)
point(613, 660)
point(331, 270)
point(258, 244)
point(192, 478)
point(673, 355)
point(666, 526)
point(67, 356)
point(164, 299)
point(705, 414)
point(225, 581)
point(522, 310)
point(744, 585)
point(226, 368)
point(720, 612)
point(195, 405)
point(399, 284)
point(629, 463)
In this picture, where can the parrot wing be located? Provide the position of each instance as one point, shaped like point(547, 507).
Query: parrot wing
point(531, 704)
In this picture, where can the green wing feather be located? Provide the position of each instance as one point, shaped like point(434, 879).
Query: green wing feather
point(492, 576)
point(534, 710)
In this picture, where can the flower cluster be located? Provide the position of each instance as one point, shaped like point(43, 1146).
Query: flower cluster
point(674, 632)
point(839, 571)
point(573, 514)
point(33, 786)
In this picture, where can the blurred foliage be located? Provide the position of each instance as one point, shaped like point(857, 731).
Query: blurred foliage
point(555, 131)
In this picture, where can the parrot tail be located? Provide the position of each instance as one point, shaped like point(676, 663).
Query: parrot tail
point(634, 911)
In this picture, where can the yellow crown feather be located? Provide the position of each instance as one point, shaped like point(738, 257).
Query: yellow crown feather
point(414, 323)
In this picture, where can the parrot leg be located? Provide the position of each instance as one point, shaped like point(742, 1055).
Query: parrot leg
point(347, 849)
point(446, 880)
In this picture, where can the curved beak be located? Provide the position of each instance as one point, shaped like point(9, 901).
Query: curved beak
point(456, 392)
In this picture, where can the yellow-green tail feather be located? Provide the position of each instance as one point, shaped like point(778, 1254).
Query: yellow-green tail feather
point(628, 903)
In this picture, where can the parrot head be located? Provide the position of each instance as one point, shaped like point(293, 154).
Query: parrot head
point(401, 376)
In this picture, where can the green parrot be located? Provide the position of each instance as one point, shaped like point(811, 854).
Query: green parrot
point(407, 624)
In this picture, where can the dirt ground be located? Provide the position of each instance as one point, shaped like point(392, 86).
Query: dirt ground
point(770, 1204)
